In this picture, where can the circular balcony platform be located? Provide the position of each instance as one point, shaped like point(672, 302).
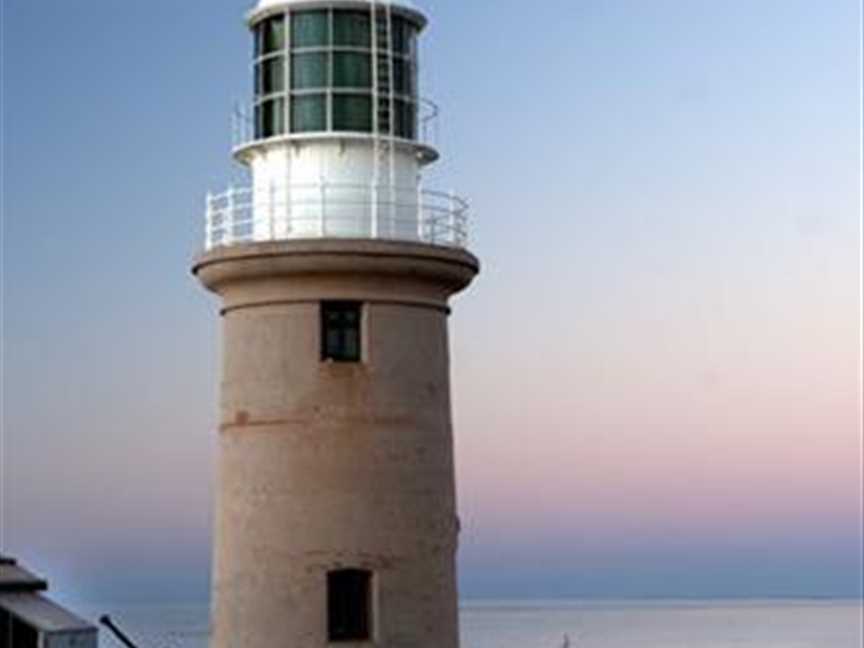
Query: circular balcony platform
point(335, 211)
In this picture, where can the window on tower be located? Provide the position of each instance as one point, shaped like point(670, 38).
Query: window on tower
point(349, 605)
point(340, 331)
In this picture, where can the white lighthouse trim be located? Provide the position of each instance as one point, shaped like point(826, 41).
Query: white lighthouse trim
point(335, 183)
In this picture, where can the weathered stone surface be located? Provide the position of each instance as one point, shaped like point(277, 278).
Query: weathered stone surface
point(326, 466)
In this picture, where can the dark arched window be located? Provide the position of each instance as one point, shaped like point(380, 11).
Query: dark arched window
point(349, 605)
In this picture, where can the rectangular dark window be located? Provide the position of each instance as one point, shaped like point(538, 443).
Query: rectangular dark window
point(349, 605)
point(340, 331)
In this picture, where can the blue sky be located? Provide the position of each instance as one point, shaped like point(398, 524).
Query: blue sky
point(656, 379)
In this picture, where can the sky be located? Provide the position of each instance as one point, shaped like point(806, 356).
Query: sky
point(656, 379)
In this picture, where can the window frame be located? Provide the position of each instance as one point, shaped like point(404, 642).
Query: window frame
point(340, 353)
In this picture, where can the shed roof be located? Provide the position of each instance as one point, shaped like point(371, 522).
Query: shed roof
point(14, 578)
point(42, 614)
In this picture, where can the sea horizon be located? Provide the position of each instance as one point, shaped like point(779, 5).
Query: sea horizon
point(812, 622)
point(475, 600)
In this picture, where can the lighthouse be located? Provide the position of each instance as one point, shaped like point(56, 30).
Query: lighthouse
point(336, 519)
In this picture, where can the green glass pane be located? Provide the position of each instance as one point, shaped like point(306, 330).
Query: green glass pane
point(403, 76)
point(310, 29)
point(352, 349)
point(272, 35)
point(411, 40)
point(406, 118)
point(404, 34)
point(270, 118)
point(272, 75)
point(308, 113)
point(309, 70)
point(334, 339)
point(351, 28)
point(352, 113)
point(352, 70)
point(259, 39)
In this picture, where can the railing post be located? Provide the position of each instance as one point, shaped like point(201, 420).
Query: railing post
point(272, 202)
point(452, 219)
point(323, 219)
point(287, 210)
point(208, 222)
point(373, 208)
point(420, 224)
point(229, 216)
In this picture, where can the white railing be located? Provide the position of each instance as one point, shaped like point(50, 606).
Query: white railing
point(335, 210)
point(243, 125)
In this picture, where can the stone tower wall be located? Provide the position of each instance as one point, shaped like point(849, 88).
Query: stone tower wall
point(327, 465)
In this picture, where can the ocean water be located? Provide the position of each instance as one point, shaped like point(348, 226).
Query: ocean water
point(588, 624)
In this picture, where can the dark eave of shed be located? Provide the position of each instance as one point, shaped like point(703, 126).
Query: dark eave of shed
point(43, 614)
point(14, 578)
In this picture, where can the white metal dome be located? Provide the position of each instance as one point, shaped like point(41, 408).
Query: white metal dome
point(267, 6)
point(262, 4)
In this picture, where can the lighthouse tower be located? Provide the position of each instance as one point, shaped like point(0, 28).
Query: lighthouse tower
point(336, 513)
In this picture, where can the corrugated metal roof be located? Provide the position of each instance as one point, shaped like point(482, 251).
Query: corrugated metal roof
point(14, 578)
point(42, 614)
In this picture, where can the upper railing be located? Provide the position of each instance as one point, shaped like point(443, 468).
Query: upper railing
point(335, 210)
point(243, 132)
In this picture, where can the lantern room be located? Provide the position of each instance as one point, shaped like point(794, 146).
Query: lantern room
point(324, 70)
